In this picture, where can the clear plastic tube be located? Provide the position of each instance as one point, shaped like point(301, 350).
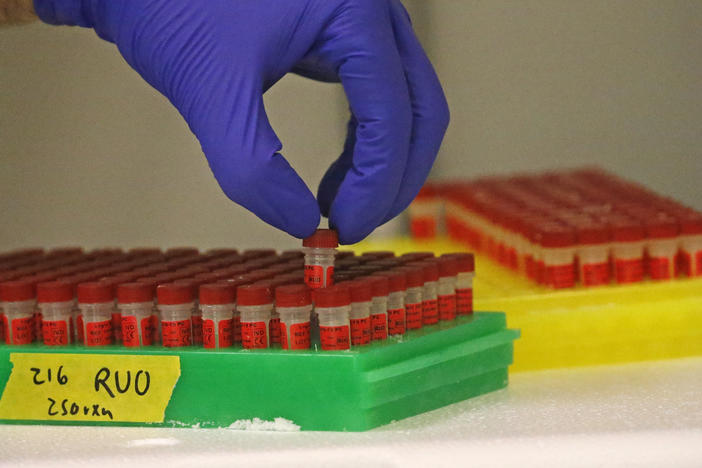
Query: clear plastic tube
point(19, 322)
point(379, 318)
point(319, 267)
point(593, 263)
point(430, 305)
point(464, 293)
point(137, 324)
point(57, 323)
point(334, 327)
point(255, 323)
point(396, 313)
point(295, 327)
point(176, 326)
point(628, 261)
point(413, 307)
point(360, 323)
point(447, 298)
point(217, 326)
point(97, 323)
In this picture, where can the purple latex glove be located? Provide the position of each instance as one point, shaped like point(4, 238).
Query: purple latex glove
point(214, 59)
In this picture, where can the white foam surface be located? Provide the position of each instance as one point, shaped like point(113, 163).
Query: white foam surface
point(644, 414)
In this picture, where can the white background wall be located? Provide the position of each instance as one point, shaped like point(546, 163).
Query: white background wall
point(90, 155)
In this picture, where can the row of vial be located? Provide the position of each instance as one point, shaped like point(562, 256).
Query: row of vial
point(377, 295)
point(565, 228)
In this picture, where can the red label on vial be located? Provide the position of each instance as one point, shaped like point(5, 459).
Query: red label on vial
point(413, 315)
point(595, 274)
point(379, 325)
point(131, 330)
point(254, 335)
point(38, 326)
point(360, 331)
point(274, 329)
point(447, 307)
point(659, 268)
point(464, 301)
point(79, 328)
point(98, 333)
point(299, 336)
point(430, 312)
point(691, 265)
point(236, 328)
point(176, 333)
point(224, 333)
point(396, 321)
point(117, 326)
point(629, 271)
point(332, 338)
point(55, 332)
point(22, 330)
point(560, 276)
point(314, 276)
point(196, 321)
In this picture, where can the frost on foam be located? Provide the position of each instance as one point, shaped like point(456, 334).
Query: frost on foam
point(256, 424)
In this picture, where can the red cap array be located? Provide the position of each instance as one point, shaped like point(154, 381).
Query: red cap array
point(54, 291)
point(17, 290)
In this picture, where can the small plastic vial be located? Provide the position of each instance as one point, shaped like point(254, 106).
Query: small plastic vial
point(557, 244)
point(379, 307)
point(397, 285)
point(360, 316)
point(628, 251)
point(274, 323)
point(446, 290)
point(691, 244)
point(175, 306)
point(19, 303)
point(465, 267)
point(320, 249)
point(217, 303)
point(594, 241)
point(96, 303)
point(661, 247)
point(196, 314)
point(136, 305)
point(333, 307)
point(413, 296)
point(55, 300)
point(293, 302)
point(255, 305)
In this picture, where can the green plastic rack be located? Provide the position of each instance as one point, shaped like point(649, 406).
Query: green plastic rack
point(352, 390)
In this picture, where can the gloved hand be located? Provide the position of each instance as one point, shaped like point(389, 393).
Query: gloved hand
point(214, 59)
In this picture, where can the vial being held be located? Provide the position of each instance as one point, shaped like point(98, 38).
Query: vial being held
point(175, 305)
point(333, 307)
point(255, 306)
point(320, 249)
point(55, 300)
point(96, 304)
point(136, 302)
point(18, 301)
point(293, 302)
point(217, 302)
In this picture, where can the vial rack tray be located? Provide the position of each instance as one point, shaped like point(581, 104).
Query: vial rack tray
point(352, 390)
point(580, 326)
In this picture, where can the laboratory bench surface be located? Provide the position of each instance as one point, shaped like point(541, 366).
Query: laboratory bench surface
point(643, 414)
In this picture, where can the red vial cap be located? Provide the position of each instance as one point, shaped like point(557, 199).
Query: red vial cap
point(416, 256)
point(293, 295)
point(174, 293)
point(662, 228)
point(627, 230)
point(448, 266)
point(258, 275)
point(131, 293)
point(217, 294)
point(222, 252)
point(361, 290)
point(379, 254)
point(65, 252)
point(342, 254)
point(144, 251)
point(17, 290)
point(290, 254)
point(95, 292)
point(322, 239)
point(465, 262)
point(397, 281)
point(414, 275)
point(554, 236)
point(594, 233)
point(54, 291)
point(335, 296)
point(691, 224)
point(430, 269)
point(380, 285)
point(258, 253)
point(182, 252)
point(254, 294)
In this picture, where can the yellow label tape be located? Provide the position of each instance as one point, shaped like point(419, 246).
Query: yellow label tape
point(89, 387)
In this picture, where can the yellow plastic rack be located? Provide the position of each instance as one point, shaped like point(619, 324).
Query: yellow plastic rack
point(580, 326)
